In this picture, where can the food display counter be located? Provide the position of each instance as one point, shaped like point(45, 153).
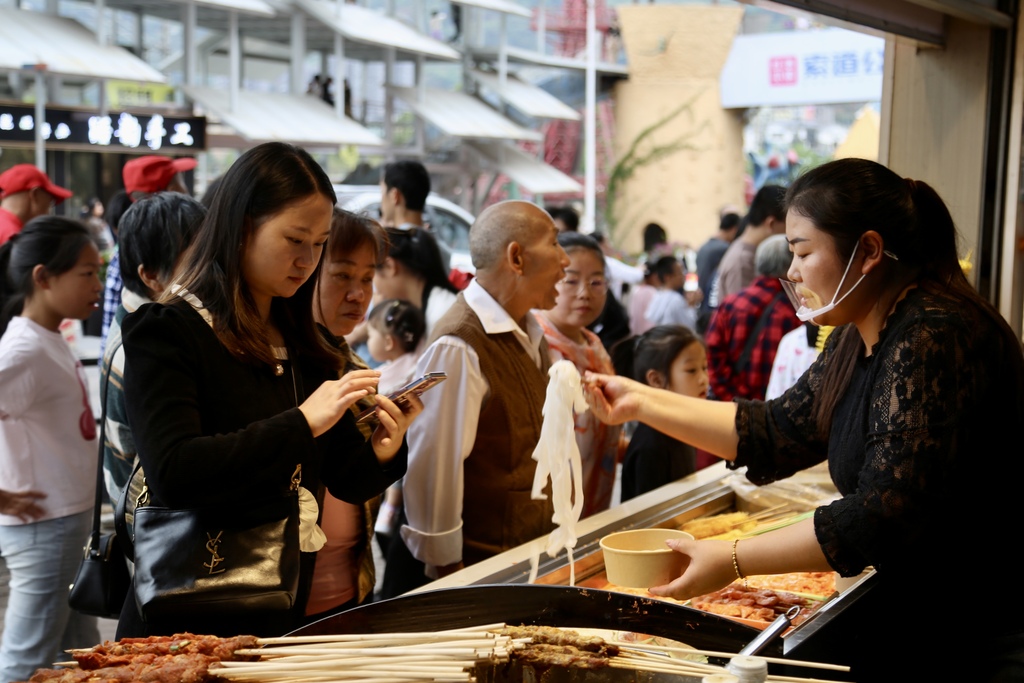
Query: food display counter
point(498, 589)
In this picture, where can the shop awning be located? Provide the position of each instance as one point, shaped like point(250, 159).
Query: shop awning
point(364, 25)
point(66, 48)
point(527, 98)
point(253, 7)
point(532, 57)
point(463, 116)
point(300, 119)
point(503, 6)
point(530, 173)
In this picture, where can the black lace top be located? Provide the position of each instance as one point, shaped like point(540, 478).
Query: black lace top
point(924, 446)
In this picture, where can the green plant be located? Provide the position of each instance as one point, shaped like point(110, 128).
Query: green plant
point(644, 151)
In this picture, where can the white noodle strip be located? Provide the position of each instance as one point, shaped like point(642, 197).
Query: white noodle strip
point(558, 458)
point(535, 549)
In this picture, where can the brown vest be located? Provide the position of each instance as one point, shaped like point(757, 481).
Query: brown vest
point(497, 511)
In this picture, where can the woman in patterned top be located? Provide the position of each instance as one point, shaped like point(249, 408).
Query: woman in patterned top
point(918, 392)
point(343, 576)
point(581, 298)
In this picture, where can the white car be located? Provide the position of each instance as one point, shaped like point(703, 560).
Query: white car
point(448, 221)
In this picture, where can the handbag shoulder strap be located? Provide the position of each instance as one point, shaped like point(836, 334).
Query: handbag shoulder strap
point(94, 537)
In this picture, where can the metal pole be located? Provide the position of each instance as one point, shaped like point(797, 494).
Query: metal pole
point(234, 61)
point(542, 26)
point(590, 125)
point(40, 116)
point(298, 55)
point(503, 53)
point(189, 19)
point(101, 24)
point(421, 96)
point(339, 75)
point(389, 102)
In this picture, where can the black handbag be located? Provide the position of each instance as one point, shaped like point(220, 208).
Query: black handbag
point(234, 561)
point(231, 560)
point(102, 581)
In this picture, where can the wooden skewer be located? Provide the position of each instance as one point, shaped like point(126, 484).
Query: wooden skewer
point(278, 665)
point(730, 655)
point(769, 511)
point(385, 645)
point(475, 631)
point(794, 679)
point(352, 661)
point(633, 666)
point(391, 651)
point(335, 673)
point(658, 660)
point(387, 638)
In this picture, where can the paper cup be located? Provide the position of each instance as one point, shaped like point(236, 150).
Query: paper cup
point(640, 559)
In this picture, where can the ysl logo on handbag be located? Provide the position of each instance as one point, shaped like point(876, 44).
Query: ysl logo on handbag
point(212, 545)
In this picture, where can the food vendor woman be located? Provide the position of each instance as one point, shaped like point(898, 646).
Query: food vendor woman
point(917, 404)
point(229, 384)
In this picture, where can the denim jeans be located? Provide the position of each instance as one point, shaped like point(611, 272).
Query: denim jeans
point(42, 559)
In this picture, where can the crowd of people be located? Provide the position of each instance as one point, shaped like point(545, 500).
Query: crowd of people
point(240, 331)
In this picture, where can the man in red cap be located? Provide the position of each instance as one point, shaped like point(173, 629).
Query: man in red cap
point(142, 177)
point(149, 175)
point(25, 192)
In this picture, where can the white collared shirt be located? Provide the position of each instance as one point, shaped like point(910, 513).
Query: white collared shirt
point(442, 437)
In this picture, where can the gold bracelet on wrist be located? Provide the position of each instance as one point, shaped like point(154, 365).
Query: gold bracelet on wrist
point(736, 565)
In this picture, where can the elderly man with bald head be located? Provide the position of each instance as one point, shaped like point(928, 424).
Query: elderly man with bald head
point(467, 490)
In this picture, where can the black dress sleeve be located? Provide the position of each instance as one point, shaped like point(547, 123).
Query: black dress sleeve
point(350, 468)
point(780, 437)
point(200, 417)
point(209, 427)
point(917, 403)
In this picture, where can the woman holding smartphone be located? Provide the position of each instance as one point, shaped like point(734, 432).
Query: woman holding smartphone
point(229, 384)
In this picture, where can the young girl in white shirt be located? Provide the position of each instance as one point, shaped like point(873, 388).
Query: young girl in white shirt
point(395, 330)
point(47, 438)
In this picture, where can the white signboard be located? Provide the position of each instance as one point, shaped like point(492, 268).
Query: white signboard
point(802, 67)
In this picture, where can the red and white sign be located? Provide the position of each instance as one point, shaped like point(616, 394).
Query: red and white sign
point(803, 67)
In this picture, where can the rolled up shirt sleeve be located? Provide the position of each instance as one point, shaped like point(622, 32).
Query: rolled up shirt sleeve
point(440, 440)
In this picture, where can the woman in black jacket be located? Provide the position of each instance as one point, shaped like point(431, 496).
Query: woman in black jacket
point(229, 384)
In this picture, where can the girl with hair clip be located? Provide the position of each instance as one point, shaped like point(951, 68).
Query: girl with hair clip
point(918, 393)
point(667, 357)
point(414, 271)
point(230, 386)
point(396, 329)
point(48, 272)
point(581, 299)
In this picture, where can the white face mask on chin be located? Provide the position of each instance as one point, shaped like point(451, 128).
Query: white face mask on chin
point(800, 296)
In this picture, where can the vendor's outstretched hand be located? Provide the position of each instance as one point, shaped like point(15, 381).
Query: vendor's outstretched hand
point(394, 419)
point(613, 399)
point(709, 569)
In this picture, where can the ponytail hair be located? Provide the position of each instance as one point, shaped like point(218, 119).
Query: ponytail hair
point(402, 320)
point(655, 349)
point(418, 252)
point(848, 197)
point(54, 242)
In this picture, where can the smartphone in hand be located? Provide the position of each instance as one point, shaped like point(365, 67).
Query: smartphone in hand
point(417, 387)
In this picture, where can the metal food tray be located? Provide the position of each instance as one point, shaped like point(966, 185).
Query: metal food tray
point(703, 493)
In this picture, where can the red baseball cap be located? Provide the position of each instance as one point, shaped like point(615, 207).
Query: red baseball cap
point(153, 174)
point(24, 177)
